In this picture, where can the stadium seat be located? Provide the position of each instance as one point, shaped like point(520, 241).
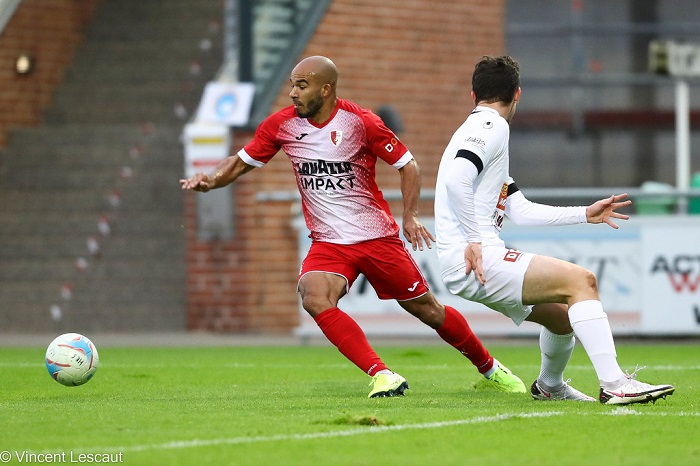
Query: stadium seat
point(656, 205)
point(694, 202)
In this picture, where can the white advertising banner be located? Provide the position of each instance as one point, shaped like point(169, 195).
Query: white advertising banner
point(648, 278)
point(671, 293)
point(206, 144)
point(227, 103)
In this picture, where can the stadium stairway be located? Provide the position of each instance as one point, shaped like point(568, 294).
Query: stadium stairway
point(91, 235)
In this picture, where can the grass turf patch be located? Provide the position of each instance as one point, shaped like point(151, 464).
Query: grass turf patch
point(299, 405)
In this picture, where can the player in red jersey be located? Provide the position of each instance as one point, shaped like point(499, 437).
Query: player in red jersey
point(334, 145)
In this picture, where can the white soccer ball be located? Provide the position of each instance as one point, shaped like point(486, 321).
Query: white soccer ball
point(71, 359)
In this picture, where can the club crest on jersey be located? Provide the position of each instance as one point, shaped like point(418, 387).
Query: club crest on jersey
point(336, 137)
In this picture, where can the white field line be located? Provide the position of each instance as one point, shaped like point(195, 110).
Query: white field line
point(322, 435)
point(621, 411)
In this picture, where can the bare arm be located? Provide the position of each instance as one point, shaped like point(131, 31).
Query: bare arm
point(226, 173)
point(413, 229)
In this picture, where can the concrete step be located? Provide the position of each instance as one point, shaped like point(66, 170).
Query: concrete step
point(57, 271)
point(94, 316)
point(51, 291)
point(93, 309)
point(83, 224)
point(16, 271)
point(70, 156)
point(62, 200)
point(148, 176)
point(176, 74)
point(162, 113)
point(79, 223)
point(153, 30)
point(176, 49)
point(158, 192)
point(46, 246)
point(94, 135)
point(66, 158)
point(91, 137)
point(122, 99)
point(134, 67)
point(69, 179)
point(126, 14)
point(78, 92)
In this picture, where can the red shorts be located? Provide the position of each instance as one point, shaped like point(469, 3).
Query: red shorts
point(386, 263)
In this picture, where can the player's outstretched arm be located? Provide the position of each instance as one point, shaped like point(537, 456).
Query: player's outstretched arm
point(226, 172)
point(604, 210)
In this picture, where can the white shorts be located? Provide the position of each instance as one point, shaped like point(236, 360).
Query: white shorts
point(504, 270)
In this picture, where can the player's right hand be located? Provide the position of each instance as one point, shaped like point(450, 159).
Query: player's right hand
point(473, 261)
point(199, 182)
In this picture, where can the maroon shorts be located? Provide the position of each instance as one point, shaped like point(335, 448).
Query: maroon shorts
point(386, 263)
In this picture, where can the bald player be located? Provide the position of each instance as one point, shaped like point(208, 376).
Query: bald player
point(334, 145)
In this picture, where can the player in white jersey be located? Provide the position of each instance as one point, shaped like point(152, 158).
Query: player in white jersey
point(473, 194)
point(334, 145)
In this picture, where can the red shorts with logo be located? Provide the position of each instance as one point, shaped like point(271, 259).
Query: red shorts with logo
point(386, 263)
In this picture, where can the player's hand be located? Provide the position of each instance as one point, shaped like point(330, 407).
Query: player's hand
point(199, 182)
point(416, 233)
point(603, 210)
point(473, 259)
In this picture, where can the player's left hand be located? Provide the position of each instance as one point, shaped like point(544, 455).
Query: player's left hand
point(474, 262)
point(199, 182)
point(416, 233)
point(603, 210)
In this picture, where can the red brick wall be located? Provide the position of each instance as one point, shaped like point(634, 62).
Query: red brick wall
point(417, 55)
point(48, 30)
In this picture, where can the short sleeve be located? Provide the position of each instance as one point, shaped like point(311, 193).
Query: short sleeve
point(382, 141)
point(264, 145)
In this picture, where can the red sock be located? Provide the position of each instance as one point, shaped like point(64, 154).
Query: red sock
point(456, 331)
point(348, 337)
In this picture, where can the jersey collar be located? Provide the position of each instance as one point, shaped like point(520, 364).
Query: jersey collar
point(481, 108)
point(330, 118)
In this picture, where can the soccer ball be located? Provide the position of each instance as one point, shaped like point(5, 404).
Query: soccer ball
point(71, 359)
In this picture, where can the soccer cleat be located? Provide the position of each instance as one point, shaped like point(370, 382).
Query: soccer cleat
point(566, 392)
point(387, 385)
point(505, 381)
point(634, 391)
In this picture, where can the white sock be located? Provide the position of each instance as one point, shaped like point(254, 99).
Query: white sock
point(556, 351)
point(493, 369)
point(384, 371)
point(591, 326)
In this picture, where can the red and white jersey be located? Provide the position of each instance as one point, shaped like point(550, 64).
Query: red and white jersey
point(334, 164)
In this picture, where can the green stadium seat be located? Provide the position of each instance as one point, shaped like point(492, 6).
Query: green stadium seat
point(694, 202)
point(656, 205)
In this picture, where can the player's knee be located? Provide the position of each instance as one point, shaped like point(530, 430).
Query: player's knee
point(432, 317)
point(590, 280)
point(314, 304)
point(430, 313)
point(586, 285)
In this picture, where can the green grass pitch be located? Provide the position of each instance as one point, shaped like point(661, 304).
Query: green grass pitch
point(306, 405)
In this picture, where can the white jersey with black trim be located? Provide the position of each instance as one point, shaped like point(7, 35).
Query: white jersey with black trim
point(484, 135)
point(474, 191)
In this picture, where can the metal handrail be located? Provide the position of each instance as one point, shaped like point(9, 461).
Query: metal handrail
point(531, 193)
